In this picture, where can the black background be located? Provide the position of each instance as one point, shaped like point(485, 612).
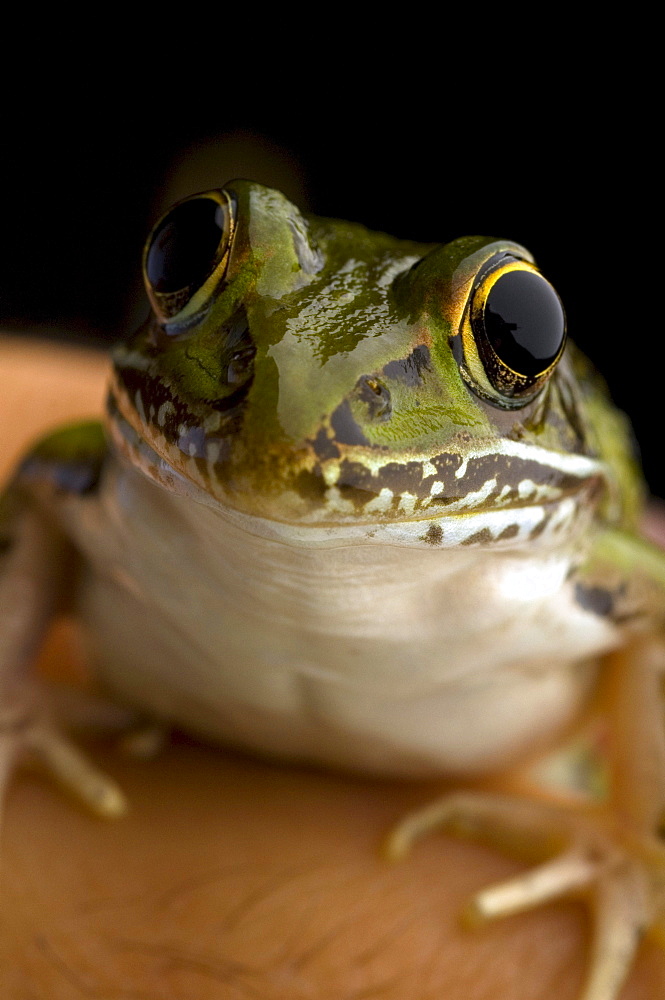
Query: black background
point(85, 170)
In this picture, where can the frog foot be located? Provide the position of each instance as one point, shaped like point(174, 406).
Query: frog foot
point(32, 737)
point(623, 876)
point(33, 573)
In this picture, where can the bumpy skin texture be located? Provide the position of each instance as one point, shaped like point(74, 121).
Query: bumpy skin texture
point(350, 344)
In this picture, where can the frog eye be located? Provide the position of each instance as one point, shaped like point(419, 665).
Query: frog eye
point(515, 331)
point(186, 254)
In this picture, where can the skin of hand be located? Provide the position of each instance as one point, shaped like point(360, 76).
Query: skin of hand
point(238, 878)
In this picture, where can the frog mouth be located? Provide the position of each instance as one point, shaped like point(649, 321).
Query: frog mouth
point(503, 496)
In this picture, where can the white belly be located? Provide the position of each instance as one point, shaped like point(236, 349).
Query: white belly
point(372, 656)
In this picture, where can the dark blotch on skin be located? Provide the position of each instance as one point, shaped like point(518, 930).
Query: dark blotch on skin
point(310, 485)
point(480, 537)
point(345, 427)
point(5, 544)
point(324, 447)
point(442, 500)
point(509, 532)
point(409, 370)
point(358, 497)
point(594, 599)
point(401, 478)
point(434, 534)
point(398, 477)
point(540, 527)
point(355, 474)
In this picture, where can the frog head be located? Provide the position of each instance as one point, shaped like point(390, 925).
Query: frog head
point(309, 371)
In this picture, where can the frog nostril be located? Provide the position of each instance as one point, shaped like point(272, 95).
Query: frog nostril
point(240, 365)
point(237, 355)
point(376, 397)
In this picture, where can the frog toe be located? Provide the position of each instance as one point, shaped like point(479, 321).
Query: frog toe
point(37, 740)
point(623, 881)
point(621, 900)
point(72, 769)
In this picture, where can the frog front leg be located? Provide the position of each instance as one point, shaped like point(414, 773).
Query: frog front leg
point(36, 570)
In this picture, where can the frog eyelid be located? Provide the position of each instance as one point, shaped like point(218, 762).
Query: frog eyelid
point(186, 256)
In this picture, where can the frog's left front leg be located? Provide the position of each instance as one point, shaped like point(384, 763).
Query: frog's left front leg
point(35, 566)
point(611, 854)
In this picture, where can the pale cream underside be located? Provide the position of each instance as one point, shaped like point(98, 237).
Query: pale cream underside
point(358, 652)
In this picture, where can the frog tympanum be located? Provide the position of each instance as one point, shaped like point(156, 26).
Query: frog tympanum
point(357, 502)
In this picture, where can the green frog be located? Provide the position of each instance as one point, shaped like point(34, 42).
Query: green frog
point(357, 501)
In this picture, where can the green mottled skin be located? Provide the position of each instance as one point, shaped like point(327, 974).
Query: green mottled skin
point(328, 304)
point(329, 308)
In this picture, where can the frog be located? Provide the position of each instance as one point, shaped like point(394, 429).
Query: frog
point(359, 502)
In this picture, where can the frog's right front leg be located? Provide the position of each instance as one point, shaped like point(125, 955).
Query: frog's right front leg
point(35, 572)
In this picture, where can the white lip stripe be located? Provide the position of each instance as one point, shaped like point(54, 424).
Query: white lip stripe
point(576, 465)
point(457, 529)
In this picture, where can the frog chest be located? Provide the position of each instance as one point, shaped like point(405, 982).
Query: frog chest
point(371, 656)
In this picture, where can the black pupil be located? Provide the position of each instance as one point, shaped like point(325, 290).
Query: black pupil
point(524, 322)
point(184, 247)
